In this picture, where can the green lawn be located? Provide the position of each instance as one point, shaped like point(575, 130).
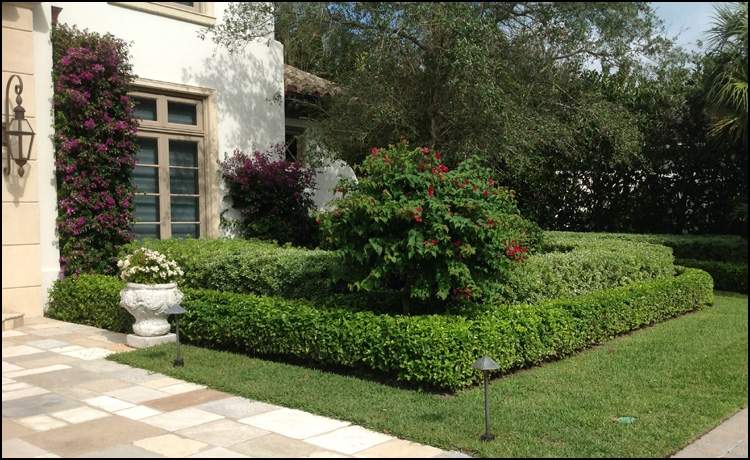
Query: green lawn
point(679, 378)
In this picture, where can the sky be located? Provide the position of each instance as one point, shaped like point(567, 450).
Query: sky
point(688, 20)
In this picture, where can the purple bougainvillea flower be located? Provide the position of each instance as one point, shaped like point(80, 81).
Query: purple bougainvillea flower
point(89, 124)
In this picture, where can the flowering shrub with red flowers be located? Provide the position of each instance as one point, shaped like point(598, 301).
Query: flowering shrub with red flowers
point(94, 148)
point(411, 223)
point(273, 196)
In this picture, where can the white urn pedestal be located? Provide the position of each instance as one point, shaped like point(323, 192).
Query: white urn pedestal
point(148, 303)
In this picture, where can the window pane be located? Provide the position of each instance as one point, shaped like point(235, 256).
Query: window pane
point(147, 208)
point(184, 209)
point(146, 179)
point(184, 230)
point(184, 114)
point(146, 231)
point(145, 108)
point(183, 181)
point(183, 153)
point(147, 152)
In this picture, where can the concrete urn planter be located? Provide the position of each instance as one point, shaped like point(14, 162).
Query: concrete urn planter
point(148, 303)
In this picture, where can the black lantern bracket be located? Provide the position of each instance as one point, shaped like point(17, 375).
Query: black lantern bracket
point(16, 129)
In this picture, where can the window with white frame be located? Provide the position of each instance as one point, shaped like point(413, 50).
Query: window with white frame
point(169, 176)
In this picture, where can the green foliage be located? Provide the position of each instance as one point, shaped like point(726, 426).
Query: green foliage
point(258, 267)
point(728, 276)
point(624, 148)
point(723, 248)
point(431, 351)
point(93, 300)
point(411, 224)
point(728, 42)
point(574, 267)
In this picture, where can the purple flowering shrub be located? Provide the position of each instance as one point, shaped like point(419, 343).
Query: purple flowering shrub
point(94, 148)
point(273, 197)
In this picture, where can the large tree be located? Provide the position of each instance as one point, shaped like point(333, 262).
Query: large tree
point(564, 100)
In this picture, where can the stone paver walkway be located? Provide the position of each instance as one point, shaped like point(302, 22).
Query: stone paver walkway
point(61, 398)
point(728, 440)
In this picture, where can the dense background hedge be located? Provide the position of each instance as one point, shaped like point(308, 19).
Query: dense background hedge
point(432, 350)
point(723, 256)
point(728, 276)
point(725, 248)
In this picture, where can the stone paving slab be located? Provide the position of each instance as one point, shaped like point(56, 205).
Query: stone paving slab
point(728, 440)
point(62, 399)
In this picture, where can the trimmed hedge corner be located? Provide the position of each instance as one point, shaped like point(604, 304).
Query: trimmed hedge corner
point(434, 351)
point(93, 300)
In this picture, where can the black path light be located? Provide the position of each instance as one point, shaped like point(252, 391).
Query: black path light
point(16, 129)
point(486, 364)
point(177, 311)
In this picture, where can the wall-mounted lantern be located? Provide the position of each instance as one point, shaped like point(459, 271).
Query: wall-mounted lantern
point(18, 136)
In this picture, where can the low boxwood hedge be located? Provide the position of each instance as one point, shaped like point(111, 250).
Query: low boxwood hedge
point(251, 266)
point(728, 276)
point(259, 267)
point(575, 266)
point(434, 351)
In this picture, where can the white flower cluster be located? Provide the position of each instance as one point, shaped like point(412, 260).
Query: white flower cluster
point(148, 266)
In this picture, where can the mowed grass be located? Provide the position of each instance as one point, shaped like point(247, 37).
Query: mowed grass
point(679, 379)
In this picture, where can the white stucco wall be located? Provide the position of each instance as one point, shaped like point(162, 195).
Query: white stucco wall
point(170, 50)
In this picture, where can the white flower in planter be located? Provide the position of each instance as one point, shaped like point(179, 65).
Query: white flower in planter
point(151, 289)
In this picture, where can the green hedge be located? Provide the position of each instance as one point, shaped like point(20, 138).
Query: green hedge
point(258, 267)
point(250, 266)
point(728, 276)
point(93, 300)
point(724, 248)
point(575, 266)
point(433, 351)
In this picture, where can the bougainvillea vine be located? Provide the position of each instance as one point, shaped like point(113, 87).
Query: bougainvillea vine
point(95, 147)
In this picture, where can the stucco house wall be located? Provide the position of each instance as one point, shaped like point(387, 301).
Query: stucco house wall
point(244, 98)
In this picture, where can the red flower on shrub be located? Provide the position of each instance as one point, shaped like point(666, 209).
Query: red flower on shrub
point(485, 194)
point(438, 156)
point(374, 151)
point(491, 182)
point(425, 150)
point(490, 223)
point(516, 252)
point(432, 242)
point(430, 191)
point(440, 170)
point(418, 214)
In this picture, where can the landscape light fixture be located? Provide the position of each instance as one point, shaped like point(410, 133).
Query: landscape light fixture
point(486, 364)
point(16, 129)
point(177, 311)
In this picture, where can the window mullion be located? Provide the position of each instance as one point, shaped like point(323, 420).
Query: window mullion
point(165, 209)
